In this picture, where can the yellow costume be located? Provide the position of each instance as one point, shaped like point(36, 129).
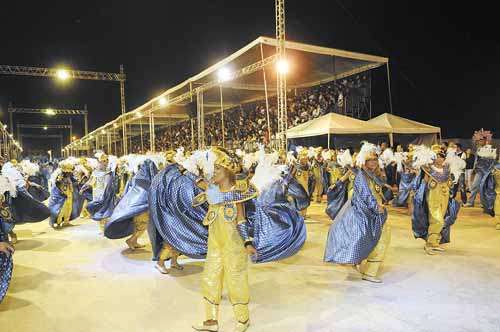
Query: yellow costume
point(66, 188)
point(371, 266)
point(437, 198)
point(496, 175)
point(317, 193)
point(226, 263)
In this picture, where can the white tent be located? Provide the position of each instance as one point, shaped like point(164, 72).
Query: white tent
point(334, 124)
point(402, 126)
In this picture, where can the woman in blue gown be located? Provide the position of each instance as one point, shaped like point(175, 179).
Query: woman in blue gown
point(6, 250)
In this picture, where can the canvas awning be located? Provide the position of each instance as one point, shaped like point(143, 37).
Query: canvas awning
point(398, 125)
point(335, 124)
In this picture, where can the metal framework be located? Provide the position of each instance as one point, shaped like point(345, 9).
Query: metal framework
point(53, 111)
point(39, 126)
point(75, 74)
point(281, 75)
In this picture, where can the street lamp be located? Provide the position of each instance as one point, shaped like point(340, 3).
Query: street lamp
point(224, 74)
point(44, 127)
point(163, 101)
point(282, 66)
point(62, 74)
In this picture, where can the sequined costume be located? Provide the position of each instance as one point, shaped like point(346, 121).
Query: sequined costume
point(320, 175)
point(496, 177)
point(6, 264)
point(65, 203)
point(406, 185)
point(103, 195)
point(305, 178)
point(360, 233)
point(131, 213)
point(434, 211)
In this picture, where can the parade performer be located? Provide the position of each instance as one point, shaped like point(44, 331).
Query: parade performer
point(318, 170)
point(24, 208)
point(234, 232)
point(83, 170)
point(496, 175)
point(131, 215)
point(434, 210)
point(483, 166)
point(34, 180)
point(457, 171)
point(334, 170)
point(302, 173)
point(340, 191)
point(360, 236)
point(6, 265)
point(65, 202)
point(102, 182)
point(407, 175)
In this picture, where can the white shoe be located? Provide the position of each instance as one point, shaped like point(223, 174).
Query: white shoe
point(242, 327)
point(372, 279)
point(206, 328)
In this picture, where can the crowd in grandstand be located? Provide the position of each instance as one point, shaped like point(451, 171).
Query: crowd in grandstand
point(248, 124)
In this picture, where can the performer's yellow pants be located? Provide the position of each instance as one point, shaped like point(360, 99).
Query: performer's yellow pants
point(371, 266)
point(85, 213)
point(497, 208)
point(226, 262)
point(437, 201)
point(65, 213)
point(318, 192)
point(141, 223)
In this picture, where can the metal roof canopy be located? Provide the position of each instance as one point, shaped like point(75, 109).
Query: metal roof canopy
point(310, 65)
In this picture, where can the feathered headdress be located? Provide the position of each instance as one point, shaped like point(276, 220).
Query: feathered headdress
point(266, 172)
point(14, 175)
point(179, 155)
point(482, 134)
point(487, 151)
point(344, 158)
point(290, 157)
point(368, 152)
point(456, 164)
point(7, 186)
point(387, 157)
point(29, 168)
point(422, 156)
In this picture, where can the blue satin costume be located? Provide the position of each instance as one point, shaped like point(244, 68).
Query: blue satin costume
point(26, 209)
point(406, 185)
point(277, 229)
point(420, 216)
point(357, 231)
point(58, 198)
point(484, 169)
point(133, 202)
point(102, 207)
point(6, 264)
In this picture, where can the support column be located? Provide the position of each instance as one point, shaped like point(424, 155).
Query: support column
point(201, 120)
point(389, 86)
point(123, 107)
point(265, 92)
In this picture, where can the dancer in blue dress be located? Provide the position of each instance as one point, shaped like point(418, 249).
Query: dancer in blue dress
point(360, 235)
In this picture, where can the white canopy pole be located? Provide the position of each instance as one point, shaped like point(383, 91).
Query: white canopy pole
point(265, 93)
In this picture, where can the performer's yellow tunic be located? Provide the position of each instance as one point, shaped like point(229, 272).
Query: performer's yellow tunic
point(373, 262)
point(437, 198)
point(335, 173)
point(496, 174)
point(226, 261)
point(350, 185)
point(65, 213)
point(141, 222)
point(302, 177)
point(318, 184)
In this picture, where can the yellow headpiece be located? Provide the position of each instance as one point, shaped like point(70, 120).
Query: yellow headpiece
point(436, 148)
point(304, 153)
point(169, 156)
point(226, 159)
point(66, 167)
point(103, 158)
point(13, 162)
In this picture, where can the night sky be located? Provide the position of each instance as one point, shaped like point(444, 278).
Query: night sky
point(443, 55)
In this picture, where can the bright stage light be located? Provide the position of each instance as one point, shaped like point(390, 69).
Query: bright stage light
point(44, 127)
point(74, 138)
point(62, 74)
point(224, 74)
point(282, 66)
point(139, 114)
point(103, 131)
point(50, 111)
point(163, 101)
